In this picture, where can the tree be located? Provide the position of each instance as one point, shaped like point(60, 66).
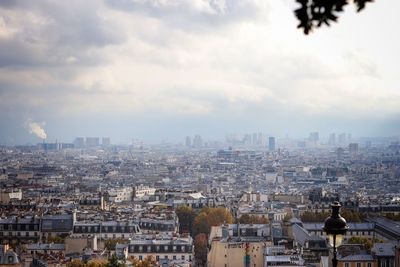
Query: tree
point(252, 219)
point(211, 217)
point(75, 263)
point(111, 243)
point(113, 261)
point(200, 249)
point(92, 263)
point(186, 217)
point(393, 217)
point(349, 215)
point(147, 262)
point(55, 239)
point(314, 13)
point(360, 240)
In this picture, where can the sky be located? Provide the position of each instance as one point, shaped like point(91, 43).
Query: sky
point(163, 69)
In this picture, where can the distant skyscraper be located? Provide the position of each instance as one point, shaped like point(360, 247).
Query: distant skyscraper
point(197, 141)
point(255, 139)
point(368, 144)
point(332, 139)
point(349, 137)
point(92, 141)
point(105, 141)
point(271, 143)
point(353, 148)
point(342, 138)
point(260, 139)
point(314, 137)
point(247, 139)
point(188, 141)
point(79, 142)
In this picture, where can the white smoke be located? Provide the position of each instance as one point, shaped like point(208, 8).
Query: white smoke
point(37, 129)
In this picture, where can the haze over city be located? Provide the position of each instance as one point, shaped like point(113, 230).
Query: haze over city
point(161, 70)
point(199, 133)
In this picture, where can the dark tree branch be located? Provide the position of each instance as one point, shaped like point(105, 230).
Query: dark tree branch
point(314, 13)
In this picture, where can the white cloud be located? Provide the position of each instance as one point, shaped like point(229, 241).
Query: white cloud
point(197, 57)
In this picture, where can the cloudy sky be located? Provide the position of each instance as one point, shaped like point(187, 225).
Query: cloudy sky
point(163, 69)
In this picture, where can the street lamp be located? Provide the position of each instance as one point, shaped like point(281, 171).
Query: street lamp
point(335, 227)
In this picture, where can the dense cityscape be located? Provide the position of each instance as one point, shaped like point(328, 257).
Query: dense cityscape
point(250, 200)
point(199, 133)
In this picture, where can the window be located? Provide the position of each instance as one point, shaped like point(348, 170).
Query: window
point(182, 257)
point(148, 248)
point(174, 257)
point(346, 264)
point(165, 248)
point(358, 264)
point(26, 233)
point(140, 257)
point(140, 248)
point(369, 264)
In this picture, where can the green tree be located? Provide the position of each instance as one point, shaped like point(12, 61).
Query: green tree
point(186, 217)
point(360, 240)
point(111, 243)
point(113, 261)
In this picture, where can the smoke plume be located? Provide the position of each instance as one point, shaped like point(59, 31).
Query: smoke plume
point(37, 129)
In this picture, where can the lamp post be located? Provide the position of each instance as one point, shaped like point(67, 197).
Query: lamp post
point(335, 227)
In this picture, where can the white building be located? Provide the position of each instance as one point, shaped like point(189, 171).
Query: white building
point(118, 195)
point(141, 191)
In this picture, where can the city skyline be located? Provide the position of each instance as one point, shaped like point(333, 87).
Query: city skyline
point(163, 71)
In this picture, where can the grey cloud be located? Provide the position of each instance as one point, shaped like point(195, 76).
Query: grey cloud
point(67, 33)
point(187, 15)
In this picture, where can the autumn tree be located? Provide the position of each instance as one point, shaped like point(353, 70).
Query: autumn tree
point(200, 249)
point(209, 217)
point(393, 217)
point(252, 219)
point(76, 263)
point(349, 215)
point(147, 262)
